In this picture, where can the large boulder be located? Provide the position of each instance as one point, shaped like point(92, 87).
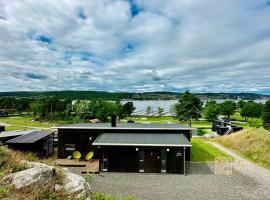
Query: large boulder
point(74, 183)
point(37, 174)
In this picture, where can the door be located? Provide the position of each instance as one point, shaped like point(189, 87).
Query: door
point(152, 162)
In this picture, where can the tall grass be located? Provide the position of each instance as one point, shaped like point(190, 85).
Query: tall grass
point(253, 144)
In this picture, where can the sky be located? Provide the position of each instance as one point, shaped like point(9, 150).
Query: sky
point(135, 45)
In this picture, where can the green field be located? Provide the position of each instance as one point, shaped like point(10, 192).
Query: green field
point(169, 119)
point(202, 151)
point(23, 123)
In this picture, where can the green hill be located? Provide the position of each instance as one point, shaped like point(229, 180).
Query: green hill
point(253, 144)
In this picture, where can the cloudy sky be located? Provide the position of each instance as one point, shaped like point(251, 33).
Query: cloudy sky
point(135, 45)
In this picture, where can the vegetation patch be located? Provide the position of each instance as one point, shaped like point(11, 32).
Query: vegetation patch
point(202, 151)
point(253, 144)
point(101, 196)
point(10, 162)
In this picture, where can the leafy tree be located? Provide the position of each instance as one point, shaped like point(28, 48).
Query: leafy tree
point(211, 111)
point(148, 110)
point(241, 103)
point(266, 115)
point(160, 111)
point(227, 108)
point(128, 108)
point(252, 109)
point(188, 108)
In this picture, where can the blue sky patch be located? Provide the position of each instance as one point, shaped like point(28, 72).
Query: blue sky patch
point(35, 76)
point(134, 8)
point(81, 14)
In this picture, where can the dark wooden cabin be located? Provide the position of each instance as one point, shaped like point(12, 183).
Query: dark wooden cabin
point(38, 142)
point(131, 147)
point(2, 128)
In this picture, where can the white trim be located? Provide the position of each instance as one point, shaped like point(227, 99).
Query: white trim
point(141, 145)
point(125, 128)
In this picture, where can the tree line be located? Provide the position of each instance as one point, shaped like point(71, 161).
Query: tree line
point(52, 108)
point(190, 107)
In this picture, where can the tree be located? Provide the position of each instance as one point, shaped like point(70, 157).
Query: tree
point(160, 111)
point(266, 115)
point(241, 103)
point(188, 108)
point(128, 108)
point(227, 108)
point(211, 111)
point(252, 109)
point(148, 110)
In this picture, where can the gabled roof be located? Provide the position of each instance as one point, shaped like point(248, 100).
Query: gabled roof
point(30, 138)
point(142, 139)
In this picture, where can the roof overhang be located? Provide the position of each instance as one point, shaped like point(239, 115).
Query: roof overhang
point(142, 139)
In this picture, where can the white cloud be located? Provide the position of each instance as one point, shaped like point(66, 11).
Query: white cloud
point(168, 45)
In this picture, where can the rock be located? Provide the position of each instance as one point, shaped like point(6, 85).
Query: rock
point(58, 188)
point(38, 174)
point(74, 183)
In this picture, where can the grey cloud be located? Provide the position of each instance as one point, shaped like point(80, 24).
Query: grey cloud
point(35, 76)
point(165, 45)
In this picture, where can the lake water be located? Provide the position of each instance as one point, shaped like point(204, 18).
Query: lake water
point(141, 105)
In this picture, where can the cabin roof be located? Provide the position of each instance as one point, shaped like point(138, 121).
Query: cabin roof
point(6, 134)
point(142, 139)
point(124, 126)
point(30, 137)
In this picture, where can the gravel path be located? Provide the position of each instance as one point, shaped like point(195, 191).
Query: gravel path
point(200, 183)
point(246, 167)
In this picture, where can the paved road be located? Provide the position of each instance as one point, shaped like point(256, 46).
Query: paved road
point(246, 167)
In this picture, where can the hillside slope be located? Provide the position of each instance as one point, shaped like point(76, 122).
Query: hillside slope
point(253, 144)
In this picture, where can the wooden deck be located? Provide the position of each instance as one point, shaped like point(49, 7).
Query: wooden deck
point(91, 166)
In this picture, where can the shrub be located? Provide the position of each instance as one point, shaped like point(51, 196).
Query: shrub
point(101, 196)
point(3, 192)
point(128, 198)
point(88, 178)
point(201, 131)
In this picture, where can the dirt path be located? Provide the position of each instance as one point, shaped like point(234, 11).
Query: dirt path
point(247, 167)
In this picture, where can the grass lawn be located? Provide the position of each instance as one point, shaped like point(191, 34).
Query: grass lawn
point(21, 121)
point(253, 144)
point(169, 119)
point(202, 151)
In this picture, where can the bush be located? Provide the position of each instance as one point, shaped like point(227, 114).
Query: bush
point(128, 198)
point(3, 192)
point(201, 132)
point(8, 165)
point(88, 178)
point(101, 196)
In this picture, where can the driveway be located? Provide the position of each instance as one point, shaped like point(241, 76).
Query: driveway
point(201, 183)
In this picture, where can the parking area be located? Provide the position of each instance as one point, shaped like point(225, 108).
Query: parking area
point(200, 183)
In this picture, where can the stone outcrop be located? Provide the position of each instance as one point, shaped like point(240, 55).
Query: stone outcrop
point(74, 183)
point(37, 174)
point(41, 174)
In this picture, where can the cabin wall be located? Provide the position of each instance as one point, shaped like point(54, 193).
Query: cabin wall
point(142, 159)
point(82, 139)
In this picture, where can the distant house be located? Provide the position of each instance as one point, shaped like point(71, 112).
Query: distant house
point(130, 147)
